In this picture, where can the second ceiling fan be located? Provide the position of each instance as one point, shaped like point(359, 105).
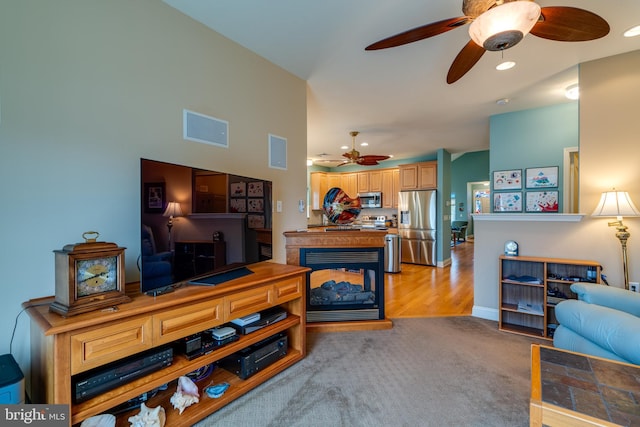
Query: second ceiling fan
point(354, 156)
point(500, 24)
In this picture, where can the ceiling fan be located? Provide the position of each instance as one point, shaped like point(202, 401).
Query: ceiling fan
point(354, 157)
point(497, 25)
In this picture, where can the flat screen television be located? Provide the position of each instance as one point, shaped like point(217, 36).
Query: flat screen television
point(197, 223)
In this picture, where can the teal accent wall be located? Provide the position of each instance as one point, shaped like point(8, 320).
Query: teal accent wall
point(443, 232)
point(533, 138)
point(470, 167)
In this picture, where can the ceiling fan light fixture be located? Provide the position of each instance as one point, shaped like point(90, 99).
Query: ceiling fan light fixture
point(633, 31)
point(506, 65)
point(503, 26)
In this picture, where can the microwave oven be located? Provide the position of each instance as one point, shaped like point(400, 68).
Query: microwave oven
point(371, 200)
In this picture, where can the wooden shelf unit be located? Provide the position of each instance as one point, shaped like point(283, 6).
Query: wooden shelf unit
point(530, 288)
point(64, 347)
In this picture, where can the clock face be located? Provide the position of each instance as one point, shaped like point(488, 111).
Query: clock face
point(511, 248)
point(96, 275)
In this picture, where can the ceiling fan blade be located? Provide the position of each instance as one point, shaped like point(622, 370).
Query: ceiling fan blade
point(367, 162)
point(569, 24)
point(419, 33)
point(374, 157)
point(466, 59)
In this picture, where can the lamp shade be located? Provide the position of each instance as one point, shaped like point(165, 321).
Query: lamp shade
point(173, 209)
point(503, 26)
point(616, 203)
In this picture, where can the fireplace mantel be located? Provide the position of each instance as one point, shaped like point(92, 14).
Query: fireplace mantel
point(320, 238)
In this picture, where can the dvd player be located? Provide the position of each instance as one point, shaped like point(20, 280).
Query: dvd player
point(99, 380)
point(267, 317)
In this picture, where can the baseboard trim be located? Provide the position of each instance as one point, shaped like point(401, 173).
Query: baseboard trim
point(445, 263)
point(485, 313)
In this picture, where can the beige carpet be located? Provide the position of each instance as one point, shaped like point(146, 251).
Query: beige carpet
point(456, 371)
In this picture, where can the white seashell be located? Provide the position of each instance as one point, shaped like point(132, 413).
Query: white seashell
point(186, 394)
point(187, 386)
point(149, 417)
point(104, 420)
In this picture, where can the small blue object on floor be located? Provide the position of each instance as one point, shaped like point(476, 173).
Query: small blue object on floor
point(11, 381)
point(225, 276)
point(215, 391)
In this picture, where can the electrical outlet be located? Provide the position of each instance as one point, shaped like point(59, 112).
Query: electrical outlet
point(634, 286)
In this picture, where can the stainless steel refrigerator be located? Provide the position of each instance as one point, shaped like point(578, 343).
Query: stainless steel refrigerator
point(417, 226)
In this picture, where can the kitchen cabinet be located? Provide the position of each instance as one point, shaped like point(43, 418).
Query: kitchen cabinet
point(319, 185)
point(419, 176)
point(349, 184)
point(363, 182)
point(385, 181)
point(390, 188)
point(334, 180)
point(375, 180)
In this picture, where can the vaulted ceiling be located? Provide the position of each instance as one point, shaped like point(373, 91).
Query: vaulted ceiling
point(398, 98)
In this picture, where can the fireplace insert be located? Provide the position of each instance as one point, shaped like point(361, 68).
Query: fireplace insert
point(344, 283)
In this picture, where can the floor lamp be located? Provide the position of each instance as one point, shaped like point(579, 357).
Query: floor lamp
point(173, 210)
point(618, 204)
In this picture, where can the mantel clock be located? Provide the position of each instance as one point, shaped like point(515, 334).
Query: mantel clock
point(89, 276)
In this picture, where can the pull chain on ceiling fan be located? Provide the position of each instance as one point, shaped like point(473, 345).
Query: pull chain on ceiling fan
point(497, 25)
point(354, 156)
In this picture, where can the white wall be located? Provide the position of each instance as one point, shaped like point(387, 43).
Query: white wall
point(609, 153)
point(86, 90)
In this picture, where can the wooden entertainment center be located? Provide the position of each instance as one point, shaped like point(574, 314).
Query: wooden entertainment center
point(63, 347)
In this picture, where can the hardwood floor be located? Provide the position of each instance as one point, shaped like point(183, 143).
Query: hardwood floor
point(421, 291)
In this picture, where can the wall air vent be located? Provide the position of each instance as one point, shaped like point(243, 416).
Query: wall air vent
point(207, 130)
point(277, 152)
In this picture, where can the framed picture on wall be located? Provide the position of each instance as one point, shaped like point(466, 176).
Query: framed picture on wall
point(255, 189)
point(507, 180)
point(507, 202)
point(154, 197)
point(542, 177)
point(542, 201)
point(238, 205)
point(238, 189)
point(255, 205)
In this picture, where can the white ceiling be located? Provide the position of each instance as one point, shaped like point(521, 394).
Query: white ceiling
point(398, 98)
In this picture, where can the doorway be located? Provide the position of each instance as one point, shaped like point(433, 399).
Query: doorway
point(478, 200)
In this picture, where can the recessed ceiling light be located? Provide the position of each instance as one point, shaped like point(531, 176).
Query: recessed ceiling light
point(503, 101)
point(506, 65)
point(572, 91)
point(633, 31)
point(364, 144)
point(344, 147)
